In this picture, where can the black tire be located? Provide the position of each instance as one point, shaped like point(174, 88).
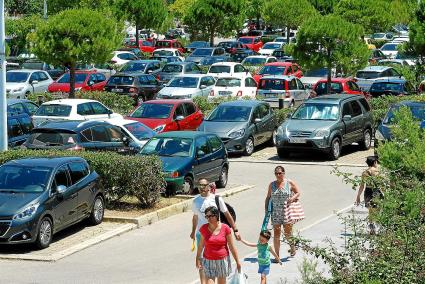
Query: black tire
point(335, 151)
point(366, 142)
point(249, 147)
point(98, 210)
point(44, 233)
point(188, 186)
point(282, 153)
point(224, 175)
point(272, 141)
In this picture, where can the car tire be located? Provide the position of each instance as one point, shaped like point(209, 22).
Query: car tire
point(249, 146)
point(98, 210)
point(44, 233)
point(366, 142)
point(272, 141)
point(224, 175)
point(282, 153)
point(335, 151)
point(188, 186)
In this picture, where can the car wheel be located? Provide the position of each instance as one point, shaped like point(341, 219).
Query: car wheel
point(96, 216)
point(188, 185)
point(282, 153)
point(222, 182)
point(366, 142)
point(44, 234)
point(272, 141)
point(249, 146)
point(335, 150)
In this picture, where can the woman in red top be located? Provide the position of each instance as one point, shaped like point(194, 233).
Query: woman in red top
point(216, 241)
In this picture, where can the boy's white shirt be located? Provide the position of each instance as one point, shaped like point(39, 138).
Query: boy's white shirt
point(201, 203)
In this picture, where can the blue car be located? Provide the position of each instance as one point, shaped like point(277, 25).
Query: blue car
point(18, 106)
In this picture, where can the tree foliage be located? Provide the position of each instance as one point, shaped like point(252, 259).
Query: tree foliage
point(56, 6)
point(23, 7)
point(76, 35)
point(17, 29)
point(181, 7)
point(416, 43)
point(254, 9)
point(324, 7)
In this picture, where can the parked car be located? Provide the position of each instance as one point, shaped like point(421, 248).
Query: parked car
point(188, 156)
point(242, 125)
point(187, 87)
point(22, 82)
point(393, 62)
point(84, 81)
point(269, 47)
point(168, 115)
point(279, 68)
point(338, 86)
point(326, 124)
point(140, 87)
point(375, 56)
point(282, 56)
point(290, 87)
point(72, 109)
point(234, 87)
point(121, 57)
point(40, 196)
point(170, 70)
point(75, 135)
point(230, 47)
point(133, 49)
point(34, 64)
point(252, 42)
point(137, 131)
point(382, 36)
point(142, 66)
point(365, 77)
point(168, 52)
point(167, 59)
point(383, 131)
point(210, 60)
point(391, 87)
point(161, 44)
point(200, 53)
point(258, 60)
point(196, 44)
point(21, 106)
point(390, 49)
point(311, 77)
point(241, 54)
point(144, 46)
point(19, 126)
point(232, 69)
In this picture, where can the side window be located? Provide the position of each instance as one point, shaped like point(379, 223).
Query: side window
point(365, 104)
point(188, 68)
point(202, 148)
point(269, 60)
point(14, 128)
point(294, 68)
point(263, 111)
point(346, 110)
point(190, 108)
point(100, 77)
point(42, 76)
point(86, 135)
point(152, 80)
point(300, 85)
point(131, 57)
point(61, 177)
point(196, 69)
point(215, 143)
point(394, 73)
point(210, 81)
point(32, 108)
point(292, 85)
point(357, 110)
point(84, 109)
point(353, 86)
point(115, 134)
point(98, 108)
point(143, 80)
point(179, 111)
point(26, 124)
point(78, 171)
point(100, 134)
point(239, 68)
point(16, 108)
point(34, 77)
point(216, 52)
point(249, 82)
point(156, 66)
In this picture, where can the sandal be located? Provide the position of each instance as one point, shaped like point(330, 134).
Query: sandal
point(292, 251)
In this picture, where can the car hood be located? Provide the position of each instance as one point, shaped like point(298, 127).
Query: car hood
point(310, 80)
point(195, 59)
point(12, 203)
point(13, 86)
point(170, 164)
point(172, 91)
point(150, 122)
point(292, 125)
point(222, 128)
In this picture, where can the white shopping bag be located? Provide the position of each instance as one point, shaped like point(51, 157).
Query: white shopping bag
point(238, 278)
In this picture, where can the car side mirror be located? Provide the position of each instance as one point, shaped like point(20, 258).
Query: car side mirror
point(179, 118)
point(199, 153)
point(60, 189)
point(90, 83)
point(150, 71)
point(346, 117)
point(203, 86)
point(34, 82)
point(126, 141)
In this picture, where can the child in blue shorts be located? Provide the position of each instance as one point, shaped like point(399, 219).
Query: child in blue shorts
point(264, 250)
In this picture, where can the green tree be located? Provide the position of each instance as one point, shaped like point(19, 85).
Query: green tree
point(288, 13)
point(213, 17)
point(324, 7)
point(18, 29)
point(23, 7)
point(331, 42)
point(76, 35)
point(148, 14)
point(181, 7)
point(254, 9)
point(416, 45)
point(56, 6)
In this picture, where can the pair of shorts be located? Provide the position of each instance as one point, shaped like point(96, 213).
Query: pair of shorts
point(264, 269)
point(220, 268)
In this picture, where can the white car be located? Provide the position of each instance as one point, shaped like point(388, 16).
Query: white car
point(269, 47)
point(390, 49)
point(258, 60)
point(232, 69)
point(234, 87)
point(22, 82)
point(161, 52)
point(72, 109)
point(187, 87)
point(137, 131)
point(122, 57)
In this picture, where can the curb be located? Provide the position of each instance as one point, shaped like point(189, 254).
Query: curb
point(297, 163)
point(171, 210)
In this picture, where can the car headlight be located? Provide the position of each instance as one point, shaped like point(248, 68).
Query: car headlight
point(322, 133)
point(378, 135)
point(27, 212)
point(280, 131)
point(159, 128)
point(18, 89)
point(236, 134)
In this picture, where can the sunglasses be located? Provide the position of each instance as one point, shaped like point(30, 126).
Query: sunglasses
point(279, 173)
point(209, 216)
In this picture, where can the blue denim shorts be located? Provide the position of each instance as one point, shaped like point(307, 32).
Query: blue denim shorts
point(264, 269)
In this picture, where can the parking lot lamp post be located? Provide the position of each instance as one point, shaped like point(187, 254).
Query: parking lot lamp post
point(45, 10)
point(3, 102)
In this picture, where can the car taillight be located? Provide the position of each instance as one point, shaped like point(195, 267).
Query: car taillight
point(239, 94)
point(77, 148)
point(158, 77)
point(132, 90)
point(211, 93)
point(287, 95)
point(174, 174)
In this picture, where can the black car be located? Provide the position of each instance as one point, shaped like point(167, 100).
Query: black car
point(81, 135)
point(46, 195)
point(391, 87)
point(34, 64)
point(230, 47)
point(19, 126)
point(21, 106)
point(142, 66)
point(139, 86)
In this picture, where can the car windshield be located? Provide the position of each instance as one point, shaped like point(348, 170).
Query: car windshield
point(368, 75)
point(79, 78)
point(227, 44)
point(133, 66)
point(202, 52)
point(418, 112)
point(154, 111)
point(386, 86)
point(317, 112)
point(272, 84)
point(389, 62)
point(246, 40)
point(33, 65)
point(389, 47)
point(43, 137)
point(254, 61)
point(168, 146)
point(322, 88)
point(272, 70)
point(139, 130)
point(121, 80)
point(210, 60)
point(17, 178)
point(53, 110)
point(184, 82)
point(163, 53)
point(230, 113)
point(172, 68)
point(323, 72)
point(16, 77)
point(228, 82)
point(219, 69)
point(271, 45)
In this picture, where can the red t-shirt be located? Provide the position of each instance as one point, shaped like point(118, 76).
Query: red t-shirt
point(215, 246)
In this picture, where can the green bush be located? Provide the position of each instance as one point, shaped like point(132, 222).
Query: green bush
point(132, 176)
point(282, 114)
point(378, 42)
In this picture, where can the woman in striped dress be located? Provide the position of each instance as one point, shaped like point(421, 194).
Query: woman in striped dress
point(280, 192)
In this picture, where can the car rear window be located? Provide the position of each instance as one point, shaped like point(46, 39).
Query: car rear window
point(121, 80)
point(272, 84)
point(163, 44)
point(386, 86)
point(368, 75)
point(272, 70)
point(219, 69)
point(228, 82)
point(79, 78)
point(54, 110)
point(43, 137)
point(172, 68)
point(158, 111)
point(321, 88)
point(33, 65)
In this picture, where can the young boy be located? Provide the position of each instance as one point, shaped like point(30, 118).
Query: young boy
point(264, 250)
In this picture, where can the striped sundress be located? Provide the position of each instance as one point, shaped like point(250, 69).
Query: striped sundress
point(278, 199)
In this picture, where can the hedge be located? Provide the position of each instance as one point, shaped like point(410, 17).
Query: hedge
point(132, 176)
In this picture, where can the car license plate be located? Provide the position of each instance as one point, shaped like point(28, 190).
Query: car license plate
point(117, 90)
point(297, 140)
point(224, 93)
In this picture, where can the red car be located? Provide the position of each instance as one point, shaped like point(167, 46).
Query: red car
point(338, 86)
point(279, 68)
point(168, 115)
point(144, 45)
point(84, 81)
point(170, 43)
point(252, 42)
